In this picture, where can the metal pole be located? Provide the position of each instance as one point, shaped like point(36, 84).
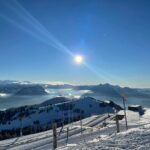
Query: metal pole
point(125, 113)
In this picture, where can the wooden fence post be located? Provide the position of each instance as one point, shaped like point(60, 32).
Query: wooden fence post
point(117, 124)
point(67, 135)
point(81, 124)
point(54, 125)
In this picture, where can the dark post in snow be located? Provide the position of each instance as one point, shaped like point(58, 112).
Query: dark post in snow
point(20, 126)
point(81, 122)
point(54, 125)
point(117, 123)
point(67, 135)
point(125, 111)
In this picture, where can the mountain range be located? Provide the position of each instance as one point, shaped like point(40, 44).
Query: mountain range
point(29, 88)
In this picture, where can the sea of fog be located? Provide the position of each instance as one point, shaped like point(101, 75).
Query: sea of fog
point(9, 101)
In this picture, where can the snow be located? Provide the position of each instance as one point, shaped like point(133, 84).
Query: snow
point(131, 115)
point(87, 105)
point(134, 105)
point(107, 101)
point(3, 94)
point(137, 137)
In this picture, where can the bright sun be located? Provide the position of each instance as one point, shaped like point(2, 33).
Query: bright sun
point(78, 59)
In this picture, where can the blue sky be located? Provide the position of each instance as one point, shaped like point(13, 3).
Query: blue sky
point(38, 40)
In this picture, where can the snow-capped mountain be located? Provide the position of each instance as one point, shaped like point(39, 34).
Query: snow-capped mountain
point(8, 86)
point(21, 88)
point(114, 91)
point(31, 90)
point(40, 117)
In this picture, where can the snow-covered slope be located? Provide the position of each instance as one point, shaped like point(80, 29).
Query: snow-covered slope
point(137, 137)
point(93, 136)
point(40, 117)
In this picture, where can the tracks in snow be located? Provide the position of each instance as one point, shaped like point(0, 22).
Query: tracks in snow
point(45, 139)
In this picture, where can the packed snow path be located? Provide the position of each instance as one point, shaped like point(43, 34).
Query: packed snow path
point(136, 138)
point(46, 138)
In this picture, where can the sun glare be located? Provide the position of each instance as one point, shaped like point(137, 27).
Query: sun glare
point(78, 59)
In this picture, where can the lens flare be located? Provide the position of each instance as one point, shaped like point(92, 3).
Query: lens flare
point(78, 59)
